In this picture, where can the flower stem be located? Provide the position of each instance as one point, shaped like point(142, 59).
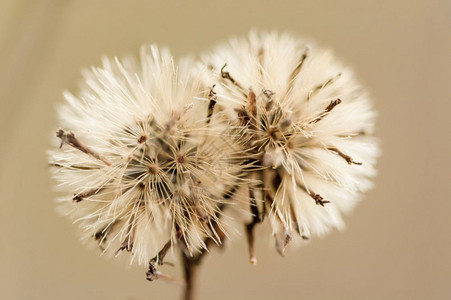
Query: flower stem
point(191, 266)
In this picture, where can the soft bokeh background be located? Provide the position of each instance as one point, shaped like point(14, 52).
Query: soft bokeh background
point(398, 241)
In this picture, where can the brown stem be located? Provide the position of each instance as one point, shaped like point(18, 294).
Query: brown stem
point(80, 196)
point(153, 274)
point(191, 266)
point(226, 75)
point(348, 158)
point(331, 106)
point(70, 139)
point(212, 97)
point(319, 200)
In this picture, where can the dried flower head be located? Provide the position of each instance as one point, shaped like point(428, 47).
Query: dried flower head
point(145, 162)
point(308, 128)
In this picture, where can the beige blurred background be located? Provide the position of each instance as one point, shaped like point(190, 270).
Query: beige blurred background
point(398, 241)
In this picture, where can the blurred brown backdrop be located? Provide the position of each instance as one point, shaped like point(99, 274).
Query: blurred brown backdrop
point(398, 241)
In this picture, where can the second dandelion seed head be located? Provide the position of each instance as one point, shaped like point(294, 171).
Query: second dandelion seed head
point(306, 123)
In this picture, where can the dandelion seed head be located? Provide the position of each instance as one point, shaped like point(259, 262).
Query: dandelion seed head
point(142, 161)
point(305, 122)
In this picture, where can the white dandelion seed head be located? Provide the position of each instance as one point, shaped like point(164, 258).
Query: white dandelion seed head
point(139, 160)
point(306, 122)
